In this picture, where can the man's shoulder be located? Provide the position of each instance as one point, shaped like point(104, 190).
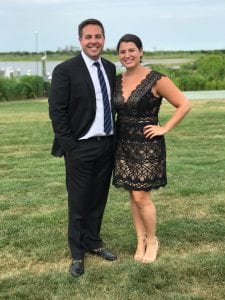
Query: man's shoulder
point(72, 60)
point(69, 63)
point(106, 61)
point(109, 65)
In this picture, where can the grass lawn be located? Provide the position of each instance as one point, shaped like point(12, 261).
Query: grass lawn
point(191, 215)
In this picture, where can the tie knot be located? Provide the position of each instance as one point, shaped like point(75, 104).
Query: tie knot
point(96, 64)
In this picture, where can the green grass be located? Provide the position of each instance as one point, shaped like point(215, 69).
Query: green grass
point(191, 215)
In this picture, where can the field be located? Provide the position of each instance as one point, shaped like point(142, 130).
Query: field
point(191, 215)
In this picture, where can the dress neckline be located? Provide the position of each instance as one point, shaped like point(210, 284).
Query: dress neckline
point(125, 100)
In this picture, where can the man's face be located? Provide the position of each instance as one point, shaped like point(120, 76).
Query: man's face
point(92, 41)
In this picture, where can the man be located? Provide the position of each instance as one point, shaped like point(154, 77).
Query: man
point(77, 110)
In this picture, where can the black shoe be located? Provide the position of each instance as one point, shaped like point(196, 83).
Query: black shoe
point(103, 253)
point(76, 268)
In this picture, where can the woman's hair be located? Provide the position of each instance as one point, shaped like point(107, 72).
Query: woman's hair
point(89, 22)
point(130, 38)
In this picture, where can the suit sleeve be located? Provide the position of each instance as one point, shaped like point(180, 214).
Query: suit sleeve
point(59, 108)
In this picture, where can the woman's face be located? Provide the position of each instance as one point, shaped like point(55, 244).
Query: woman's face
point(129, 54)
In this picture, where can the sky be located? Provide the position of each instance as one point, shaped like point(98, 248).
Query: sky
point(41, 25)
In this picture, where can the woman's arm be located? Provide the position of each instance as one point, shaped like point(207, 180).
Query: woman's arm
point(168, 90)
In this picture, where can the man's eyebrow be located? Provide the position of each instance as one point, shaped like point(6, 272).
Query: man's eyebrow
point(98, 34)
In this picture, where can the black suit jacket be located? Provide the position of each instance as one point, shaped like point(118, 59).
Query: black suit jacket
point(72, 102)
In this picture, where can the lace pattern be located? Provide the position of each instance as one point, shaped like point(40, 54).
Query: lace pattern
point(140, 163)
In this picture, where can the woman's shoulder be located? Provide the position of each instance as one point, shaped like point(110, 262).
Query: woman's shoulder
point(157, 74)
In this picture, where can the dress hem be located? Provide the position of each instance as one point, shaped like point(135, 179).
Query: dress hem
point(131, 188)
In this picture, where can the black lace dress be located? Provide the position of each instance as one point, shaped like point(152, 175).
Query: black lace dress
point(140, 163)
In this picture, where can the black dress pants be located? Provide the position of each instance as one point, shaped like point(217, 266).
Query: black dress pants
point(88, 175)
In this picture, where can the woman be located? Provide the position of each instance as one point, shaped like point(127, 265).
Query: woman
point(140, 163)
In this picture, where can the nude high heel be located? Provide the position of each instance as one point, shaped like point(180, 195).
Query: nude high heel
point(151, 251)
point(141, 247)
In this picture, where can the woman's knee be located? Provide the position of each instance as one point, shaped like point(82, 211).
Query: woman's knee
point(140, 198)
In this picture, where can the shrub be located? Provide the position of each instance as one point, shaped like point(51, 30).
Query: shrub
point(192, 82)
point(24, 87)
point(221, 84)
point(2, 89)
point(212, 67)
point(207, 73)
point(36, 85)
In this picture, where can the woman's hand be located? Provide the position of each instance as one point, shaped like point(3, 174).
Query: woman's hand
point(150, 131)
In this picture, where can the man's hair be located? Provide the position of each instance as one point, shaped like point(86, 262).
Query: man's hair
point(89, 22)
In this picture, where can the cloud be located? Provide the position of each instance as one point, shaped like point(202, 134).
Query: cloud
point(158, 22)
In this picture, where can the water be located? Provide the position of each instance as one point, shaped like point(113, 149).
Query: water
point(27, 67)
point(34, 68)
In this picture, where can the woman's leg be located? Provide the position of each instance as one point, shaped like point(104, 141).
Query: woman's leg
point(144, 216)
point(140, 231)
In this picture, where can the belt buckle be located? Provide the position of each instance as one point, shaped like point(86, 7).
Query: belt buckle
point(99, 138)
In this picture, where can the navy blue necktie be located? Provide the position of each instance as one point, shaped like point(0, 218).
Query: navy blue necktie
point(107, 111)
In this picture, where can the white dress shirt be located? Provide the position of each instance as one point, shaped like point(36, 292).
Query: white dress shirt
point(97, 127)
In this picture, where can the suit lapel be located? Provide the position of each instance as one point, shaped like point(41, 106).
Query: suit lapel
point(83, 71)
point(108, 73)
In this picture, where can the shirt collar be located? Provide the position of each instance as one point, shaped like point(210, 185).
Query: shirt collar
point(89, 62)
